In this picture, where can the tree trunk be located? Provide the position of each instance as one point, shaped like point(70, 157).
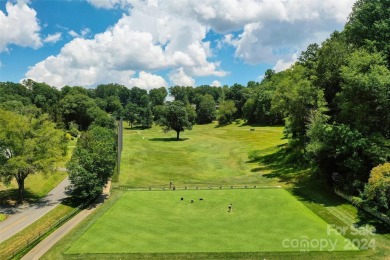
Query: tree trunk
point(177, 135)
point(20, 189)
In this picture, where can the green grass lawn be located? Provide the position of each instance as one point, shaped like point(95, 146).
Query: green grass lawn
point(206, 155)
point(157, 224)
point(159, 221)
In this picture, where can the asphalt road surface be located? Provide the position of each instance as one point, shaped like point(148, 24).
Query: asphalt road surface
point(22, 216)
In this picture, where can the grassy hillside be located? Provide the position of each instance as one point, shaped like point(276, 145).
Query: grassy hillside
point(207, 155)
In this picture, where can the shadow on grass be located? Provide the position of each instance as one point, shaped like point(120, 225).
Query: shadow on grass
point(246, 124)
point(169, 139)
point(10, 197)
point(278, 163)
point(134, 128)
point(366, 218)
point(307, 186)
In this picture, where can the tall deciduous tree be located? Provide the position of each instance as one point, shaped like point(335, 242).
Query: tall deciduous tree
point(378, 187)
point(93, 162)
point(206, 111)
point(175, 118)
point(369, 26)
point(28, 145)
point(157, 96)
point(295, 97)
point(364, 100)
point(226, 112)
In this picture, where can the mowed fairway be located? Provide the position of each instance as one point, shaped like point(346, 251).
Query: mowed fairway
point(142, 221)
point(206, 155)
point(160, 222)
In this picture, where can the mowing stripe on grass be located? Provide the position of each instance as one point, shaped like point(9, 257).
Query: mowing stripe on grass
point(261, 220)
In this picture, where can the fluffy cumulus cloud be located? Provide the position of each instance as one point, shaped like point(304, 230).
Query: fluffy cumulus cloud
point(147, 81)
point(19, 25)
point(180, 78)
point(215, 83)
point(171, 35)
point(151, 37)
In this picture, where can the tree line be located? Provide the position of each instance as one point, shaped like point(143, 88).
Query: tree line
point(334, 102)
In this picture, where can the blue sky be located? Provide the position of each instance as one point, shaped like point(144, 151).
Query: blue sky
point(152, 43)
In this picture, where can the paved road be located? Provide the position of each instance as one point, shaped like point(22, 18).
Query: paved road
point(22, 216)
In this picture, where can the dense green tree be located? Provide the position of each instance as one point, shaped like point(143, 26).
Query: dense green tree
point(342, 154)
point(101, 118)
point(28, 145)
point(226, 111)
point(377, 189)
point(269, 73)
point(78, 108)
point(239, 95)
point(158, 112)
point(137, 96)
point(145, 117)
point(157, 96)
point(92, 162)
point(10, 91)
point(215, 92)
point(364, 100)
point(114, 105)
point(74, 90)
point(191, 113)
point(368, 26)
point(131, 114)
point(330, 58)
point(206, 111)
point(249, 110)
point(105, 91)
point(184, 94)
point(175, 118)
point(295, 97)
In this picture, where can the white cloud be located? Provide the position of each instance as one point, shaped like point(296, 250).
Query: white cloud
point(215, 83)
point(108, 4)
point(230, 40)
point(170, 35)
point(19, 26)
point(285, 64)
point(52, 38)
point(147, 81)
point(150, 38)
point(73, 33)
point(83, 33)
point(180, 78)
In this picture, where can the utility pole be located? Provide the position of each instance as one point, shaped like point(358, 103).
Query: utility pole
point(120, 145)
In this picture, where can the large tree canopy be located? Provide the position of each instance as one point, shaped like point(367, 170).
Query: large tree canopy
point(28, 145)
point(93, 162)
point(175, 118)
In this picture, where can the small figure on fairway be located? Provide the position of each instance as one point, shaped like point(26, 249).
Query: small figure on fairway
point(170, 185)
point(230, 208)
